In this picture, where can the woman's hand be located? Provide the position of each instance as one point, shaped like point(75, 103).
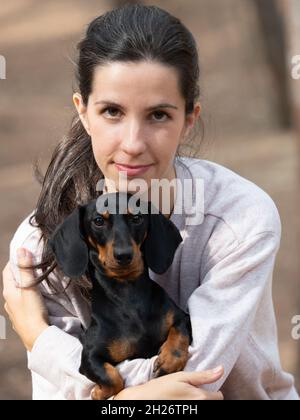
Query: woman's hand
point(25, 307)
point(176, 386)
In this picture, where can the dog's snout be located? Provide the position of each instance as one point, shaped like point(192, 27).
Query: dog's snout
point(123, 257)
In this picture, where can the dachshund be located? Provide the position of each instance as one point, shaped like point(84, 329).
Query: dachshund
point(132, 317)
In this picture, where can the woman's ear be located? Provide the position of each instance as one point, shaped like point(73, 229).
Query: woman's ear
point(190, 121)
point(161, 243)
point(69, 246)
point(82, 111)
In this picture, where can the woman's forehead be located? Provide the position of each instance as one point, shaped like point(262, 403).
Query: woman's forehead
point(119, 81)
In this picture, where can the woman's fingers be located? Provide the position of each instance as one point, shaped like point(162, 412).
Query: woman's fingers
point(9, 284)
point(212, 396)
point(10, 287)
point(11, 291)
point(25, 258)
point(31, 296)
point(203, 378)
point(14, 294)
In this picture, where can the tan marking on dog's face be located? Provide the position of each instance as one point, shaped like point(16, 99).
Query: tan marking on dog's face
point(108, 262)
point(113, 270)
point(105, 215)
point(104, 253)
point(92, 242)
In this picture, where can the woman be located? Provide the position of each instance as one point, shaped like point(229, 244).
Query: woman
point(137, 104)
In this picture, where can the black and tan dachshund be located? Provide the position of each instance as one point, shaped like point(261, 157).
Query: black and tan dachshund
point(132, 316)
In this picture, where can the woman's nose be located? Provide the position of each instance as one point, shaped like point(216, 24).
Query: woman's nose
point(133, 141)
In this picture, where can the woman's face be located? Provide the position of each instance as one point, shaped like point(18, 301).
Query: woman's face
point(135, 116)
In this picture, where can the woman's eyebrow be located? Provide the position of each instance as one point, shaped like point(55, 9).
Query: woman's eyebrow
point(151, 108)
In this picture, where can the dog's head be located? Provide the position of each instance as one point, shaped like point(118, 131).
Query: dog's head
point(119, 237)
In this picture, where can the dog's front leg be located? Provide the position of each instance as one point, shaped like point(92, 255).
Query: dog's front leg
point(173, 354)
point(106, 377)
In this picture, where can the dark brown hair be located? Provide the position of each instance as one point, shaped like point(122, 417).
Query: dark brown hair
point(131, 33)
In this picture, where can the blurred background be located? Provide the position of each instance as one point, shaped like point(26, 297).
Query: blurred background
point(251, 115)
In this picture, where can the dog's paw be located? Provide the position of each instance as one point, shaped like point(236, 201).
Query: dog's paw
point(169, 361)
point(97, 393)
point(102, 392)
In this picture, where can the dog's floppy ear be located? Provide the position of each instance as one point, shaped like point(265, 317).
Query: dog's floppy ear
point(161, 243)
point(68, 245)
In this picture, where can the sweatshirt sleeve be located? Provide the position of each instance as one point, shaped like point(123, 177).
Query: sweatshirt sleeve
point(56, 352)
point(223, 308)
point(56, 356)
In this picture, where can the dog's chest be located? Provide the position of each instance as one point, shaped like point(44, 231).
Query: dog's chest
point(128, 325)
point(130, 314)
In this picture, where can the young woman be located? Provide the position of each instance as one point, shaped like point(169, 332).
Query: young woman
point(137, 103)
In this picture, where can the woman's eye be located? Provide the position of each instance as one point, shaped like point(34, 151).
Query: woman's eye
point(111, 111)
point(98, 221)
point(161, 114)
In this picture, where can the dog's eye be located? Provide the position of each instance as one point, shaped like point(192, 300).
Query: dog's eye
point(98, 221)
point(137, 219)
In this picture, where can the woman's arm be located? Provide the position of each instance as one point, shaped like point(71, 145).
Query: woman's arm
point(224, 307)
point(55, 355)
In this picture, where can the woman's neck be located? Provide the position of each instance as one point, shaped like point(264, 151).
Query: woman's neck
point(162, 200)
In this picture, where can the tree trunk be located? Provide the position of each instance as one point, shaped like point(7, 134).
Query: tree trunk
point(273, 29)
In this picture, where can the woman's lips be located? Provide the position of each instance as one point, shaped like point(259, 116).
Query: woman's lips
point(133, 171)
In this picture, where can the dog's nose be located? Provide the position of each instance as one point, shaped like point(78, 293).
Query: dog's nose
point(123, 257)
